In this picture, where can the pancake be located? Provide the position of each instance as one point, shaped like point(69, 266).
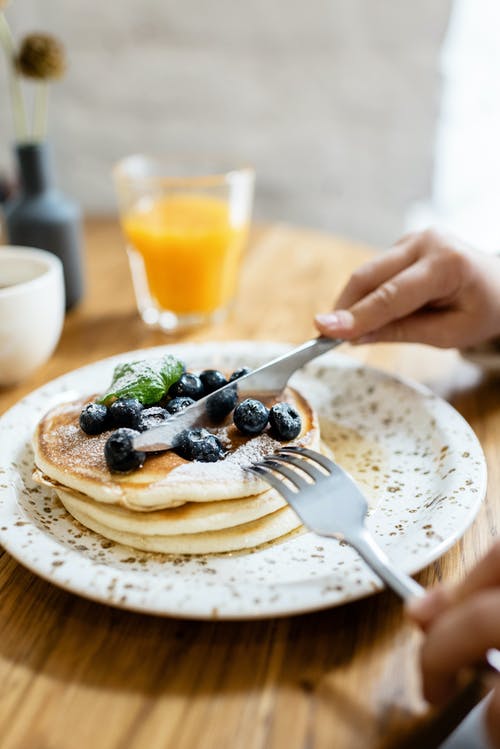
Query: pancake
point(234, 538)
point(73, 459)
point(191, 517)
point(170, 505)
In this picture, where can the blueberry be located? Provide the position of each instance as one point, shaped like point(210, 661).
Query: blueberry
point(212, 380)
point(94, 418)
point(178, 404)
point(188, 385)
point(126, 412)
point(285, 421)
point(199, 444)
point(239, 373)
point(251, 416)
point(219, 405)
point(152, 417)
point(119, 452)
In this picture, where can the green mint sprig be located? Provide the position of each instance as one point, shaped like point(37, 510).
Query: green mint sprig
point(146, 380)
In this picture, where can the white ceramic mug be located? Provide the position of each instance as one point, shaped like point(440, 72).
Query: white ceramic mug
point(31, 310)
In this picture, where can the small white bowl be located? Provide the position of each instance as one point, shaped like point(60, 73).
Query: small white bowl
point(31, 310)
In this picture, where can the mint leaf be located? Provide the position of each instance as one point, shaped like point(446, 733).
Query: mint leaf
point(171, 369)
point(122, 369)
point(148, 380)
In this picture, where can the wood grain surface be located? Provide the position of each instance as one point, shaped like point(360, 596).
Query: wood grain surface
point(79, 674)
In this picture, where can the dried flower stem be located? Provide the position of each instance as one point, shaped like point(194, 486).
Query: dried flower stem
point(18, 107)
point(40, 114)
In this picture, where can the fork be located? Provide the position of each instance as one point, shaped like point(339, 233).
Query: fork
point(329, 503)
point(313, 499)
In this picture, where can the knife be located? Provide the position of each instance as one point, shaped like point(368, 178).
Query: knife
point(267, 380)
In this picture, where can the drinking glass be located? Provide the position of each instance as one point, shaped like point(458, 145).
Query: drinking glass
point(185, 235)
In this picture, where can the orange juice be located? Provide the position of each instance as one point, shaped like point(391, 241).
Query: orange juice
point(190, 250)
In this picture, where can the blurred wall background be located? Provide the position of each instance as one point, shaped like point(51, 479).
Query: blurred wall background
point(334, 101)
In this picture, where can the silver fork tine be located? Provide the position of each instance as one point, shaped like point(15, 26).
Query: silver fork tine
point(272, 479)
point(327, 464)
point(300, 462)
point(288, 473)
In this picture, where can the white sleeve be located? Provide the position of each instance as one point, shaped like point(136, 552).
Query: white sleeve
point(471, 733)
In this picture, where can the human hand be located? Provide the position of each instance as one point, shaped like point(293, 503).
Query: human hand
point(428, 288)
point(461, 623)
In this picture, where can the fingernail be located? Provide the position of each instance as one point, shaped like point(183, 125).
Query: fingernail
point(338, 320)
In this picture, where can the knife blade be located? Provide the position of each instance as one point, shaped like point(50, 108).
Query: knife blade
point(268, 379)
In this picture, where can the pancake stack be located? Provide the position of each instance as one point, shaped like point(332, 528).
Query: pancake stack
point(170, 505)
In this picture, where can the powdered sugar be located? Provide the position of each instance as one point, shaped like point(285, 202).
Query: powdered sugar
point(62, 436)
point(232, 468)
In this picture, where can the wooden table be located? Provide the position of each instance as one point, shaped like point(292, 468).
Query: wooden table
point(78, 674)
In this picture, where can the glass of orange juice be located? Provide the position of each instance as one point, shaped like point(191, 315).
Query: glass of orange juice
point(185, 237)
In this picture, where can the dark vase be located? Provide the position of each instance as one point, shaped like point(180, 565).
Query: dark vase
point(41, 216)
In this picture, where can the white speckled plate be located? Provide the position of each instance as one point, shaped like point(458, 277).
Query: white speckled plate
point(416, 454)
